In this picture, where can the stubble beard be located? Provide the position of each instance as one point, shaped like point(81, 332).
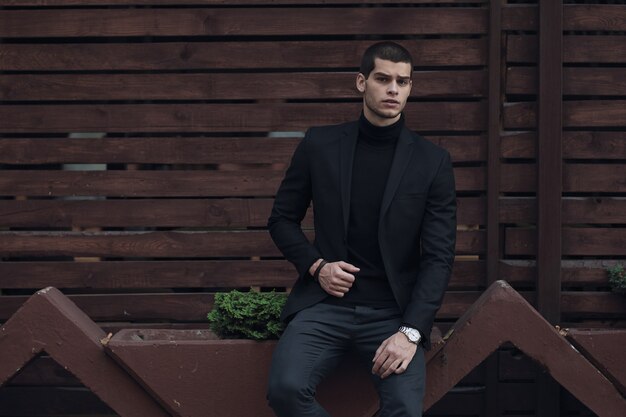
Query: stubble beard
point(379, 113)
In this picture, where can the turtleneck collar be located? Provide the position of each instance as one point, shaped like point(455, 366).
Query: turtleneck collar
point(380, 135)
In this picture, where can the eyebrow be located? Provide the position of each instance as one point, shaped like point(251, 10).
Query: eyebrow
point(400, 77)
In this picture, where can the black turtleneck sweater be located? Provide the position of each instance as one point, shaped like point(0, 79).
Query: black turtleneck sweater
point(372, 160)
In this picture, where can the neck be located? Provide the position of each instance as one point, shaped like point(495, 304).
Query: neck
point(377, 120)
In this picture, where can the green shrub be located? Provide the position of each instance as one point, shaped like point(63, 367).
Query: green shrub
point(247, 315)
point(617, 277)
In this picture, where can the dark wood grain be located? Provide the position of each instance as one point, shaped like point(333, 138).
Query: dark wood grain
point(213, 2)
point(442, 116)
point(188, 150)
point(239, 86)
point(583, 17)
point(227, 55)
point(167, 244)
point(185, 306)
point(117, 275)
point(590, 210)
point(576, 81)
point(583, 241)
point(576, 145)
point(576, 49)
point(581, 114)
point(178, 183)
point(241, 22)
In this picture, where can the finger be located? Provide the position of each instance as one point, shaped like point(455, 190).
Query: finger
point(348, 267)
point(401, 368)
point(344, 277)
point(376, 369)
point(380, 350)
point(389, 367)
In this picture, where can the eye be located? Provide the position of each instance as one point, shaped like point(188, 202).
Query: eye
point(403, 83)
point(381, 79)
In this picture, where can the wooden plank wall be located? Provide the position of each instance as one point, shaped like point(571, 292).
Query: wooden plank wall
point(141, 143)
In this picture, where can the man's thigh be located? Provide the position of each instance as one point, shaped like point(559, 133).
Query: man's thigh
point(311, 346)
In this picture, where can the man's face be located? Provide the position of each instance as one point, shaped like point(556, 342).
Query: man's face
point(385, 91)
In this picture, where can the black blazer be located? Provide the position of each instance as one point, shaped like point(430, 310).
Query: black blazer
point(417, 228)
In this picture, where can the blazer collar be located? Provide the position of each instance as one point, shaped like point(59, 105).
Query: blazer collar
point(401, 158)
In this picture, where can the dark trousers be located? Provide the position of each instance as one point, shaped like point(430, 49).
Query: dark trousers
point(315, 341)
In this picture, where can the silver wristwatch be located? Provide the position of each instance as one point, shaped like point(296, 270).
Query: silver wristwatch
point(412, 334)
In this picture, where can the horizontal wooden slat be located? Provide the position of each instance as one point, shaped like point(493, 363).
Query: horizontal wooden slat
point(582, 114)
point(590, 304)
point(213, 150)
point(180, 150)
point(224, 55)
point(576, 49)
point(217, 213)
point(222, 213)
point(601, 210)
point(582, 241)
point(241, 21)
point(576, 145)
point(444, 116)
point(167, 244)
point(184, 306)
point(89, 276)
point(600, 17)
point(576, 178)
point(576, 81)
point(212, 2)
point(191, 183)
point(147, 274)
point(239, 86)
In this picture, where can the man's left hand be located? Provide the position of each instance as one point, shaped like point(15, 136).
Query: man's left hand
point(393, 355)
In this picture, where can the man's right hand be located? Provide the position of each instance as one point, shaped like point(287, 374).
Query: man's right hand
point(336, 277)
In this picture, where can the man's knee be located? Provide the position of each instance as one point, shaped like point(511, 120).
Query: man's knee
point(288, 393)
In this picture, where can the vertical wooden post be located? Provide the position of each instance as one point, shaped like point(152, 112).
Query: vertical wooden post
point(492, 222)
point(549, 187)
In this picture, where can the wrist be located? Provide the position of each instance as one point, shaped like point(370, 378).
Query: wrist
point(413, 335)
point(314, 267)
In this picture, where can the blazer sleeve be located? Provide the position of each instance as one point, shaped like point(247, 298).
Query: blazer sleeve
point(290, 205)
point(438, 239)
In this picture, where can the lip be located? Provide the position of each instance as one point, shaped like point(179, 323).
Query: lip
point(391, 103)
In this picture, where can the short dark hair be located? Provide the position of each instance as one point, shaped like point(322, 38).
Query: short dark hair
point(386, 50)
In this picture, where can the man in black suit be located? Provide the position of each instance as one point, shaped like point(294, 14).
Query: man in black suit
point(385, 228)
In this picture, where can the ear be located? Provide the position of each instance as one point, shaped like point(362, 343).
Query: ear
point(360, 82)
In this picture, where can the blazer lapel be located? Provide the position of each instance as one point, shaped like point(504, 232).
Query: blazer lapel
point(401, 158)
point(347, 146)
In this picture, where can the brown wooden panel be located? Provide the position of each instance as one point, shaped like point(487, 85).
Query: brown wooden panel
point(222, 213)
point(592, 303)
point(582, 241)
point(591, 113)
point(609, 17)
point(610, 178)
point(90, 276)
point(331, 85)
point(167, 244)
point(147, 274)
point(213, 150)
point(576, 145)
point(444, 116)
point(601, 210)
point(212, 2)
point(576, 81)
point(220, 55)
point(180, 150)
point(518, 178)
point(574, 273)
point(576, 49)
point(597, 113)
point(185, 306)
point(241, 22)
point(250, 182)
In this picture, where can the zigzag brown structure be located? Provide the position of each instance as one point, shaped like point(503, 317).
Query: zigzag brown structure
point(50, 322)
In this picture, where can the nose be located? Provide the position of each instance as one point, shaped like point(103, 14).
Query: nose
point(392, 88)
